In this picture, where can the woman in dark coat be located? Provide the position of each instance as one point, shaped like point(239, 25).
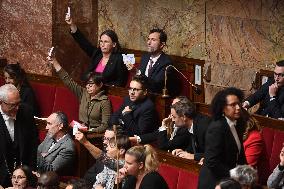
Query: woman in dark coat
point(223, 141)
point(105, 59)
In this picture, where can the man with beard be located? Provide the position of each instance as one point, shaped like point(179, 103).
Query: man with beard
point(270, 95)
point(153, 64)
point(137, 114)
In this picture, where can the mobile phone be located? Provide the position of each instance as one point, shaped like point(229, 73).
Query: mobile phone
point(68, 11)
point(50, 51)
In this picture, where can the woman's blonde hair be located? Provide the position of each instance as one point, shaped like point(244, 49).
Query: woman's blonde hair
point(252, 124)
point(145, 154)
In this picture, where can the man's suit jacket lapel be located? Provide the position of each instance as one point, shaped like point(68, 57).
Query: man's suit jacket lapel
point(157, 64)
point(57, 145)
point(46, 145)
point(144, 63)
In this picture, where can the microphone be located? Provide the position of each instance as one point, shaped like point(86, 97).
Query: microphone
point(165, 94)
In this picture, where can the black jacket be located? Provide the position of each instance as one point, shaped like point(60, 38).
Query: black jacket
point(115, 72)
point(141, 120)
point(25, 143)
point(157, 76)
point(221, 153)
point(274, 108)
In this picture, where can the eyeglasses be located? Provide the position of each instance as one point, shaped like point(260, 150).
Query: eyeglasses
point(234, 104)
point(131, 90)
point(12, 105)
point(18, 177)
point(278, 74)
point(104, 42)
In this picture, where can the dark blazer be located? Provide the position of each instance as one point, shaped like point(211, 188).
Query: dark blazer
point(180, 140)
point(60, 158)
point(221, 153)
point(197, 143)
point(152, 180)
point(27, 96)
point(25, 142)
point(274, 108)
point(157, 76)
point(141, 120)
point(115, 72)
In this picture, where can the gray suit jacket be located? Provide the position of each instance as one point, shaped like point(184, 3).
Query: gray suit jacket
point(60, 158)
point(276, 179)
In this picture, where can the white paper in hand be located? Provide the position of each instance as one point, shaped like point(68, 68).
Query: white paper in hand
point(68, 12)
point(50, 51)
point(128, 58)
point(75, 129)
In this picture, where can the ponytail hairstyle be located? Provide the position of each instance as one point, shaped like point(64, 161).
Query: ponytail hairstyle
point(147, 155)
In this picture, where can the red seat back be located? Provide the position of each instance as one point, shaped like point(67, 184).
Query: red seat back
point(66, 102)
point(45, 95)
point(116, 102)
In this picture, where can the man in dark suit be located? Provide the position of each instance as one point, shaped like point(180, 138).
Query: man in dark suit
point(137, 114)
point(57, 151)
point(154, 63)
point(18, 134)
point(270, 95)
point(188, 141)
point(223, 142)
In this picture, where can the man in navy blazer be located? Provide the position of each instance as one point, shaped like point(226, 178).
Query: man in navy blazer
point(154, 63)
point(57, 151)
point(137, 114)
point(270, 95)
point(18, 134)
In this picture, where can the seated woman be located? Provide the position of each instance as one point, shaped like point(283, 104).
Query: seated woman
point(140, 169)
point(276, 179)
point(112, 158)
point(14, 74)
point(106, 59)
point(253, 142)
point(23, 178)
point(95, 107)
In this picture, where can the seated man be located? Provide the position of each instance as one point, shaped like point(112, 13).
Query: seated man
point(137, 114)
point(185, 115)
point(152, 137)
point(57, 151)
point(270, 95)
point(154, 63)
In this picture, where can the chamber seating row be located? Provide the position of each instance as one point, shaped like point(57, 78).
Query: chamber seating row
point(57, 97)
point(52, 96)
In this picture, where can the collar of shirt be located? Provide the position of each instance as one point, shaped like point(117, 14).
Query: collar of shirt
point(230, 122)
point(190, 130)
point(154, 59)
point(60, 138)
point(5, 116)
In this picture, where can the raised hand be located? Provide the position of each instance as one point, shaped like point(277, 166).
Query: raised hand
point(69, 21)
point(273, 89)
point(52, 60)
point(80, 137)
point(68, 18)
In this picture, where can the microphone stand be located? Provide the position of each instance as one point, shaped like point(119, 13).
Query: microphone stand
point(117, 155)
point(165, 91)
